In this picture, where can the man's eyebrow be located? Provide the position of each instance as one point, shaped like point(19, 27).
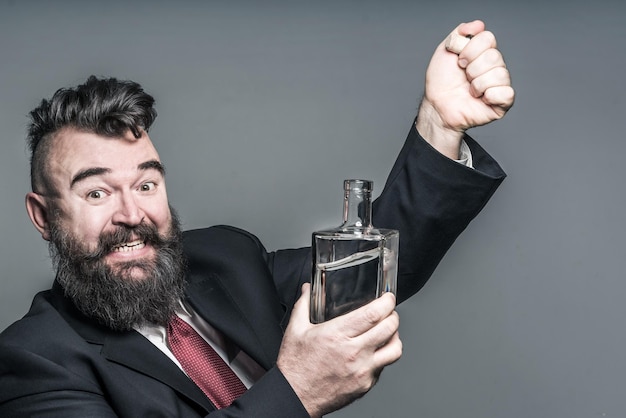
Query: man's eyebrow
point(97, 171)
point(88, 172)
point(152, 165)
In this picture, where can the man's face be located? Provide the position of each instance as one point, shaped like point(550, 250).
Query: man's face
point(115, 242)
point(105, 184)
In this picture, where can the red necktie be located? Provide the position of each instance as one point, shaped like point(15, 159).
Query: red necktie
point(203, 365)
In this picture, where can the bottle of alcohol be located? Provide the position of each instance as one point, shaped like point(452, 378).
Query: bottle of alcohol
point(355, 262)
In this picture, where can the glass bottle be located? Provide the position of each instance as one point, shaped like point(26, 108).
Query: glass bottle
point(355, 262)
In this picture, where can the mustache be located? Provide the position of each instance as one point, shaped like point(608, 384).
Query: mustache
point(109, 240)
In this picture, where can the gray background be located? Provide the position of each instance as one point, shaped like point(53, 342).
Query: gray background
point(266, 107)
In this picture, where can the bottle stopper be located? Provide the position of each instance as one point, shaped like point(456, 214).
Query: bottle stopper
point(455, 42)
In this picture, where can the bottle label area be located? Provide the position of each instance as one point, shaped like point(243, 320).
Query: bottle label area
point(348, 273)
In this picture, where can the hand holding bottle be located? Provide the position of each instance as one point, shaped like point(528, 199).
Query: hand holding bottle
point(462, 91)
point(333, 363)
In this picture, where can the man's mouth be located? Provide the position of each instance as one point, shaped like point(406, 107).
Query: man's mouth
point(129, 246)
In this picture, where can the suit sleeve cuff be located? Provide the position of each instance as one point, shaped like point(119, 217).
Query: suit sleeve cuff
point(270, 397)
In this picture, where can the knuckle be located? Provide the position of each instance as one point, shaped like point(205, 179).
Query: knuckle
point(493, 56)
point(396, 319)
point(352, 355)
point(366, 379)
point(489, 36)
point(335, 339)
point(391, 325)
point(475, 87)
point(371, 315)
point(399, 349)
point(503, 74)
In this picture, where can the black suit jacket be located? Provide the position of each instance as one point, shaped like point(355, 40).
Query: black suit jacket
point(55, 362)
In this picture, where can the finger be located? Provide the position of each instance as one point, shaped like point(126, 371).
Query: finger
point(363, 319)
point(390, 352)
point(501, 98)
point(461, 35)
point(496, 77)
point(455, 42)
point(380, 335)
point(479, 44)
point(488, 60)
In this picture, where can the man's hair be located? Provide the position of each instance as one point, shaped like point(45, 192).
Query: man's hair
point(107, 107)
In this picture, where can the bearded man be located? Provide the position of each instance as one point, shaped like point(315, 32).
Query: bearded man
point(143, 320)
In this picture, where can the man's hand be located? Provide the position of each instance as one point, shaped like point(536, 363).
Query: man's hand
point(464, 91)
point(333, 363)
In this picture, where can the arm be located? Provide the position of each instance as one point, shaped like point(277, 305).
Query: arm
point(430, 199)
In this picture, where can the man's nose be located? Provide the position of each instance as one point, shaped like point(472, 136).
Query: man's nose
point(128, 211)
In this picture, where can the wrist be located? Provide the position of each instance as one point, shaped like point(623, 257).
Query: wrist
point(432, 128)
point(298, 386)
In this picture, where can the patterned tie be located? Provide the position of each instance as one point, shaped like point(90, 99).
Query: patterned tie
point(203, 365)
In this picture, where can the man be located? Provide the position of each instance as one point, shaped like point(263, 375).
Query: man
point(104, 341)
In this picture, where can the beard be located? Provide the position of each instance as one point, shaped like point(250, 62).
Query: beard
point(110, 294)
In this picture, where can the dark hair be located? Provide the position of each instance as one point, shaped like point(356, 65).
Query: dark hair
point(107, 107)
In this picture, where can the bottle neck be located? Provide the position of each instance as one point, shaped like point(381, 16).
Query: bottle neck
point(357, 204)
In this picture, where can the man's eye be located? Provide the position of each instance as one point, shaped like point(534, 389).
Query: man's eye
point(95, 194)
point(148, 186)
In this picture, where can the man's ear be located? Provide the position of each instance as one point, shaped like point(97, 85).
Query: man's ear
point(38, 212)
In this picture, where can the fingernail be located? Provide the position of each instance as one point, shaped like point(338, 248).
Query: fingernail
point(462, 63)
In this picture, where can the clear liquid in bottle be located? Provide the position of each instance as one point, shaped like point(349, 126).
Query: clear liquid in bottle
point(354, 263)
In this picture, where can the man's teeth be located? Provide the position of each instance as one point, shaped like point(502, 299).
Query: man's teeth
point(129, 246)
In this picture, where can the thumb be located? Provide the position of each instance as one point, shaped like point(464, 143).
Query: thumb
point(471, 28)
point(460, 36)
point(300, 312)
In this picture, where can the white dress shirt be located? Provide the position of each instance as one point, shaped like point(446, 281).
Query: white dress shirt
point(243, 365)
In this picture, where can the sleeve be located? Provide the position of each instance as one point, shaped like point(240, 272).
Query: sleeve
point(270, 397)
point(42, 388)
point(431, 199)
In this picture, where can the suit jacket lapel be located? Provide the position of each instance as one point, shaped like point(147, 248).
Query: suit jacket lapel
point(231, 287)
point(134, 351)
point(131, 350)
point(240, 309)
